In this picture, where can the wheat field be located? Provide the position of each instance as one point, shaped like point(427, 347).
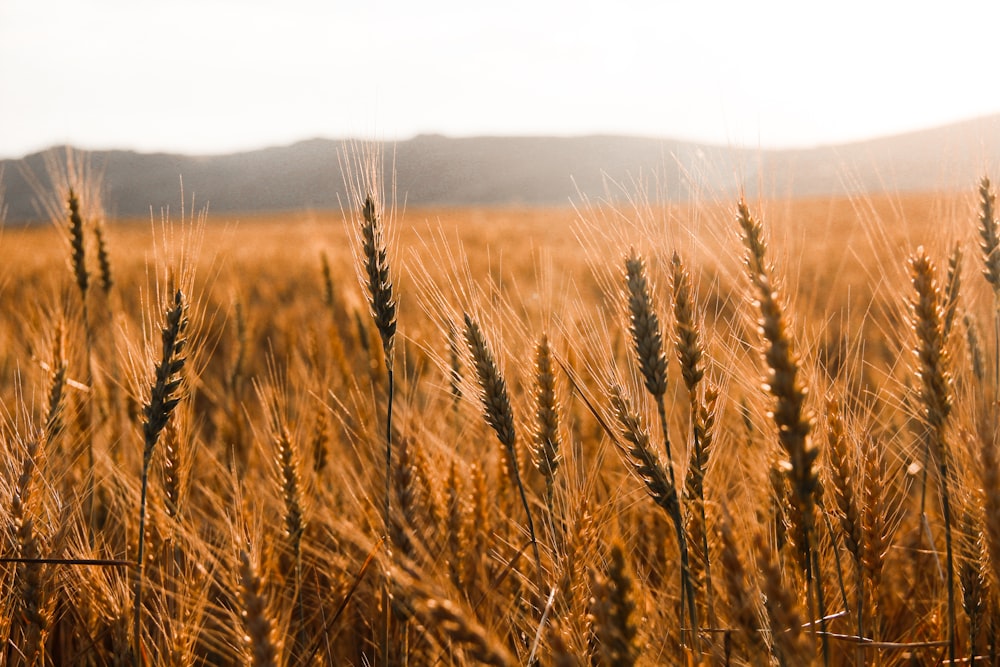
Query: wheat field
point(716, 432)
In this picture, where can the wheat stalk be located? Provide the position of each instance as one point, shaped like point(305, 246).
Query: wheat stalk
point(613, 612)
point(742, 605)
point(164, 397)
point(793, 421)
point(498, 412)
point(687, 342)
point(33, 604)
point(935, 396)
point(382, 304)
point(875, 531)
point(547, 439)
point(970, 574)
point(790, 646)
point(647, 342)
point(449, 620)
point(643, 460)
point(259, 638)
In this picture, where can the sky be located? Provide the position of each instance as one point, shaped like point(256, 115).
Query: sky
point(216, 76)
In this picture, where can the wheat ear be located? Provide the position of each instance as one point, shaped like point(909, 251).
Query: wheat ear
point(104, 260)
point(547, 441)
point(382, 305)
point(259, 637)
point(989, 233)
point(875, 532)
point(952, 289)
point(844, 489)
point(976, 357)
point(56, 399)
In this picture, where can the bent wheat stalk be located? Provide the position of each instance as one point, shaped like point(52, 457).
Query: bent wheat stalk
point(499, 414)
point(647, 341)
point(645, 463)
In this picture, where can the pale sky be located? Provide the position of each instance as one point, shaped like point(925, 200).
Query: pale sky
point(211, 76)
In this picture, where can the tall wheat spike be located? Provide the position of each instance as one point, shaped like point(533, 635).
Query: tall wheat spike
point(78, 263)
point(929, 313)
point(687, 341)
point(164, 396)
point(790, 414)
point(382, 306)
point(382, 303)
point(989, 234)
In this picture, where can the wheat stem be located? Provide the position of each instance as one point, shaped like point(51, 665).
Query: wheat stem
point(164, 397)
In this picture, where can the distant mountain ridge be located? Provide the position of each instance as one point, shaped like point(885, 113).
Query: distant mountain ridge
point(443, 171)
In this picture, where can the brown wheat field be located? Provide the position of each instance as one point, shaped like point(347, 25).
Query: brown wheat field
point(611, 434)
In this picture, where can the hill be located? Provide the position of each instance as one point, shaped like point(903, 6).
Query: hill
point(443, 171)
